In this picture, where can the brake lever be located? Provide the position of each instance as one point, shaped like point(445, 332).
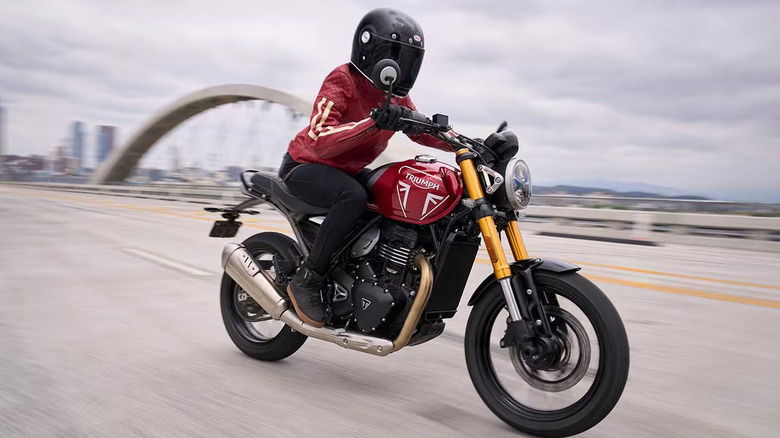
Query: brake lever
point(432, 126)
point(456, 144)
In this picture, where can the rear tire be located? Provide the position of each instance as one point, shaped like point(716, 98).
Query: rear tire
point(609, 379)
point(244, 335)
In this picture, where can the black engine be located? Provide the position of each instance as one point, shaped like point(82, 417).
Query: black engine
point(377, 285)
point(376, 305)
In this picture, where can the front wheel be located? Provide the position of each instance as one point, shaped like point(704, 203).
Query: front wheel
point(561, 395)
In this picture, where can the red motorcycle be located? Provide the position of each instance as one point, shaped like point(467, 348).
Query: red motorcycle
point(545, 348)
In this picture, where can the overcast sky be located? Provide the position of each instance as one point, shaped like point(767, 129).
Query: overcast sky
point(683, 94)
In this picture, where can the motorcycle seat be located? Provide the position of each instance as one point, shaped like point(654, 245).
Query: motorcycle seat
point(273, 186)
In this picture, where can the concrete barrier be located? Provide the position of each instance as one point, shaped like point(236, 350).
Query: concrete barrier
point(718, 230)
point(631, 226)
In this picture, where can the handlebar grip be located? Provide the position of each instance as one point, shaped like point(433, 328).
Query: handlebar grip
point(419, 117)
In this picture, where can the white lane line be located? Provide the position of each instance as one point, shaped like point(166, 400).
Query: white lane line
point(167, 262)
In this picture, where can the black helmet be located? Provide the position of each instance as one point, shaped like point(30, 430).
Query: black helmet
point(386, 33)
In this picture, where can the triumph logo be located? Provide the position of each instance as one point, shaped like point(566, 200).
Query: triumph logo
point(366, 303)
point(422, 182)
point(431, 199)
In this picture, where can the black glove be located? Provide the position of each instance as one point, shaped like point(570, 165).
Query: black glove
point(413, 129)
point(389, 119)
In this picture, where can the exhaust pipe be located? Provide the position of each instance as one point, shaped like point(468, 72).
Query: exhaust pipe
point(244, 270)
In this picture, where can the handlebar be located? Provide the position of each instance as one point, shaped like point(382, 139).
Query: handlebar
point(418, 118)
point(438, 127)
point(428, 125)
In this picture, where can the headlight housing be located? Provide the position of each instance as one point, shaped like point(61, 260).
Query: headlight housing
point(518, 184)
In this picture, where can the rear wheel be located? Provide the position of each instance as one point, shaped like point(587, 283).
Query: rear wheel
point(249, 326)
point(575, 387)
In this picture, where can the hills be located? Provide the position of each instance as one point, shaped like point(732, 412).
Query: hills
point(613, 188)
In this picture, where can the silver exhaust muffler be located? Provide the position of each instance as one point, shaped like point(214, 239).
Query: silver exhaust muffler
point(244, 270)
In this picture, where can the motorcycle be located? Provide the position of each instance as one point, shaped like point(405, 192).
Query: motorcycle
point(537, 328)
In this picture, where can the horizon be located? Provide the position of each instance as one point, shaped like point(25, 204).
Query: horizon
point(594, 91)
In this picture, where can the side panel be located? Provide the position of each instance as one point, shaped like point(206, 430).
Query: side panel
point(418, 193)
point(453, 268)
point(550, 265)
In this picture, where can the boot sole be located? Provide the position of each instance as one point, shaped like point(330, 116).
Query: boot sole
point(300, 313)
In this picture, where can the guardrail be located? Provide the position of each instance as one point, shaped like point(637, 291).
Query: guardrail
point(648, 227)
point(630, 226)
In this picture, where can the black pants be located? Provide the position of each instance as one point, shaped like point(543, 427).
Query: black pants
point(325, 186)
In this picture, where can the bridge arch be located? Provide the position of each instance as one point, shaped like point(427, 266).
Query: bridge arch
point(120, 163)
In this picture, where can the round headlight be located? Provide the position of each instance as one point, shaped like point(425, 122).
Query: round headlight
point(518, 184)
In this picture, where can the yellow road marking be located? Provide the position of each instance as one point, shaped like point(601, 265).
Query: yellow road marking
point(690, 292)
point(670, 289)
point(134, 207)
point(670, 274)
point(676, 290)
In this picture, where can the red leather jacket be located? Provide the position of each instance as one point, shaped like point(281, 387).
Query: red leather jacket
point(340, 133)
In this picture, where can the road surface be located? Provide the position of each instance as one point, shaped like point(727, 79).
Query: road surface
point(110, 326)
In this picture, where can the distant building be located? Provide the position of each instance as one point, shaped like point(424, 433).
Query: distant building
point(60, 161)
point(77, 143)
point(175, 165)
point(234, 172)
point(147, 175)
point(2, 130)
point(105, 142)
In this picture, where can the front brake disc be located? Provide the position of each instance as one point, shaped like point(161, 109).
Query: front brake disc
point(533, 377)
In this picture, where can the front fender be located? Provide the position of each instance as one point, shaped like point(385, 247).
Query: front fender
point(549, 265)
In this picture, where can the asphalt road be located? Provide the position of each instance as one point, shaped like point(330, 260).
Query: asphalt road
point(110, 326)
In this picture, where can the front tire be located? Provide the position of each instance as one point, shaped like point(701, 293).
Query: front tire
point(589, 405)
point(253, 331)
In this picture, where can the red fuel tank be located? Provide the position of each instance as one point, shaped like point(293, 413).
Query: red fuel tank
point(416, 191)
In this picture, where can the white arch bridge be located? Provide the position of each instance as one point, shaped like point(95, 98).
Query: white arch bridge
point(120, 163)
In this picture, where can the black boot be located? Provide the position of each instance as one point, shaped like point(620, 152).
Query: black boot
point(304, 291)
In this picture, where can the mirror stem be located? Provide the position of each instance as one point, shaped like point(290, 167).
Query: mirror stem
point(389, 95)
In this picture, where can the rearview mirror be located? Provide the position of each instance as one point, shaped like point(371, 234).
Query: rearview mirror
point(385, 74)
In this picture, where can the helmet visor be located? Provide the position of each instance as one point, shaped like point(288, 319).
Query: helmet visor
point(408, 57)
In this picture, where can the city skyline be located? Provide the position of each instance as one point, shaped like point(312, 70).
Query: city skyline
point(618, 90)
point(2, 128)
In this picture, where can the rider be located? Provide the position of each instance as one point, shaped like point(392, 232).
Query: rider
point(325, 157)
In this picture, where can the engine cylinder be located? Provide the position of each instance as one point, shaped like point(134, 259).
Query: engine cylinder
point(396, 256)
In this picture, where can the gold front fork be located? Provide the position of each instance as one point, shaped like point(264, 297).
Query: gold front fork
point(516, 241)
point(492, 240)
point(486, 224)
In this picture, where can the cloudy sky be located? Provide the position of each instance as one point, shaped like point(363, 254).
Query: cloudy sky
point(683, 94)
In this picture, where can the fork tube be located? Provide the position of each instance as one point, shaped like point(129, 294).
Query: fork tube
point(509, 297)
point(486, 223)
point(516, 241)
